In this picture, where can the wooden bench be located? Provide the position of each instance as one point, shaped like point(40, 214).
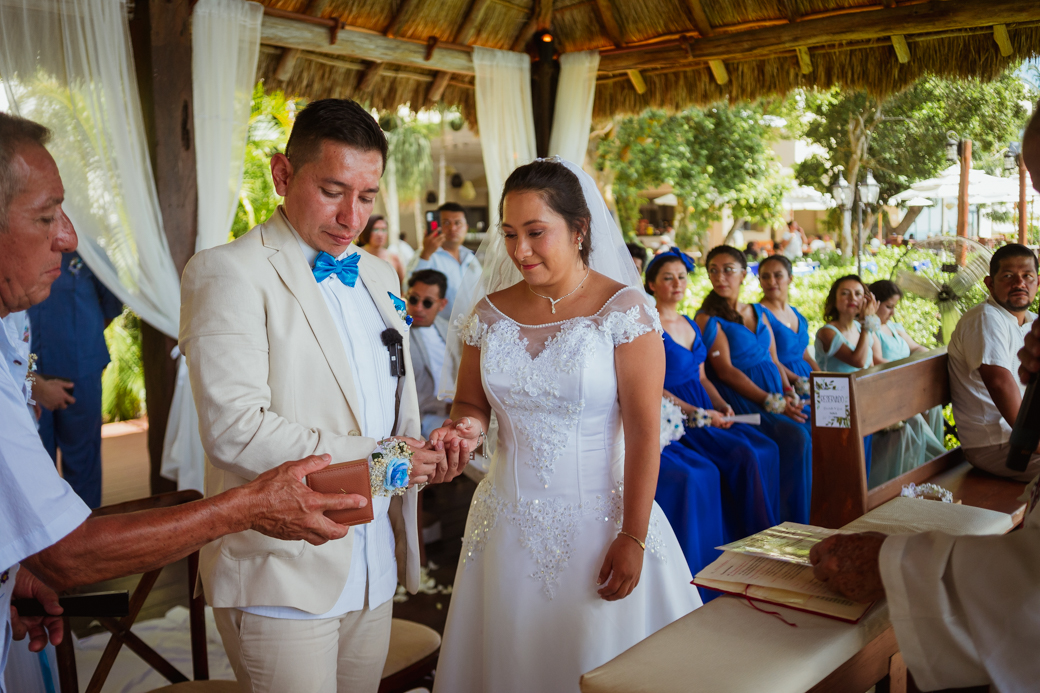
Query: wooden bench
point(878, 398)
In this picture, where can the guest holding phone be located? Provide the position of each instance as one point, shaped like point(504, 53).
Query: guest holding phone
point(443, 251)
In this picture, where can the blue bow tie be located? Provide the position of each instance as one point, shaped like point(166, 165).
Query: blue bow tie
point(346, 269)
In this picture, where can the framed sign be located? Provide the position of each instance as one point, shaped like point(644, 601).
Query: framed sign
point(831, 402)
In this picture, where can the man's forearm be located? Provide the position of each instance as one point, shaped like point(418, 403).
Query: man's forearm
point(116, 545)
point(1002, 388)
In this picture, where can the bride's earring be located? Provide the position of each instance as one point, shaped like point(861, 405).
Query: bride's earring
point(579, 244)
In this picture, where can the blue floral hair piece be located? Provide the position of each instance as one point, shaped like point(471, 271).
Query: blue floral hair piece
point(673, 253)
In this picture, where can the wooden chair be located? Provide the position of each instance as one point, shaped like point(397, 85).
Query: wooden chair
point(880, 397)
point(120, 627)
point(413, 655)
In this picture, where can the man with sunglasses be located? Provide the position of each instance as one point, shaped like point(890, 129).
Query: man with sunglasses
point(427, 297)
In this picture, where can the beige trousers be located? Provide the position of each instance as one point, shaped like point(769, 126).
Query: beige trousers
point(993, 459)
point(329, 655)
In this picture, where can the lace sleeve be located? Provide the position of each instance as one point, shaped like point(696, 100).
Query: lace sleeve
point(473, 328)
point(629, 315)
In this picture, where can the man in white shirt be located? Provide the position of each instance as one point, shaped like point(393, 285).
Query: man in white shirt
point(287, 334)
point(443, 251)
point(984, 360)
point(964, 609)
point(426, 299)
point(47, 540)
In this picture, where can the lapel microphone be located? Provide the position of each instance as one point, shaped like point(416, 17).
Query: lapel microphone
point(1026, 434)
point(394, 343)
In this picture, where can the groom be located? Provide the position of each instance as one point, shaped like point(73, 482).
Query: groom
point(282, 331)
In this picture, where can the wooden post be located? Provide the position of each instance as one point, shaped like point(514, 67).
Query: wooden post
point(962, 195)
point(1023, 227)
point(161, 35)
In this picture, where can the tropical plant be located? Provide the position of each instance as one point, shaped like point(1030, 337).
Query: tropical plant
point(713, 158)
point(122, 385)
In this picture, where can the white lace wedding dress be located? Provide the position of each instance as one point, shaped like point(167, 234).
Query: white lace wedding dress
point(525, 615)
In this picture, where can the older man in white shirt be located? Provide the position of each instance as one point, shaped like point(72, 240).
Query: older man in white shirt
point(984, 360)
point(285, 335)
point(965, 610)
point(47, 540)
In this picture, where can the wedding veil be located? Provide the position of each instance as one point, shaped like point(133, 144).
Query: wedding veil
point(609, 257)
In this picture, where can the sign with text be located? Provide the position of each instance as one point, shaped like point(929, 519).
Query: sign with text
point(831, 402)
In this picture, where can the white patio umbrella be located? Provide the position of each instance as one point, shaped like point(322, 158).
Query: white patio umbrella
point(982, 187)
point(1007, 191)
point(806, 197)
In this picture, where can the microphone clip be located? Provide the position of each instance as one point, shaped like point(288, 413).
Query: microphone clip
point(394, 343)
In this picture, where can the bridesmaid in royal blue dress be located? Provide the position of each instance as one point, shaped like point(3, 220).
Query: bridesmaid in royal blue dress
point(790, 328)
point(748, 462)
point(743, 366)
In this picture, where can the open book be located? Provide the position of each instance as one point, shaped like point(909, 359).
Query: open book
point(773, 566)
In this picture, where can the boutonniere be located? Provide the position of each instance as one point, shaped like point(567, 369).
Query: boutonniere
point(401, 307)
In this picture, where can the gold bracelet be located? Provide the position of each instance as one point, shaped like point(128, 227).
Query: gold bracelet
point(642, 545)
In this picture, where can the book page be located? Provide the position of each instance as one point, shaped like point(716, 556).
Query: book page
point(765, 572)
point(789, 542)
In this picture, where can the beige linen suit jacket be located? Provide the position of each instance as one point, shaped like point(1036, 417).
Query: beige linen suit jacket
point(272, 382)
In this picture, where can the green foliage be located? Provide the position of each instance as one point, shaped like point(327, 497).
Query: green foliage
point(713, 158)
point(270, 123)
point(908, 140)
point(122, 385)
point(410, 154)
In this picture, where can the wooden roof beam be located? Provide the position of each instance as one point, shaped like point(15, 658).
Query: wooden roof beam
point(761, 43)
point(468, 30)
point(605, 12)
point(1000, 35)
point(804, 60)
point(637, 81)
point(287, 63)
point(700, 20)
point(541, 18)
point(718, 69)
point(358, 43)
point(901, 48)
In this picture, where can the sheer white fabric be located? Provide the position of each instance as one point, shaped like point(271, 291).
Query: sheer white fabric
point(67, 64)
point(505, 117)
point(572, 117)
point(525, 614)
point(225, 47)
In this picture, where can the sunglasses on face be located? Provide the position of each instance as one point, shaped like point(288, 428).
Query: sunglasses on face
point(427, 303)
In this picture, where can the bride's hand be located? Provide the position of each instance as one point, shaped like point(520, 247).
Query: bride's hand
point(621, 569)
point(445, 434)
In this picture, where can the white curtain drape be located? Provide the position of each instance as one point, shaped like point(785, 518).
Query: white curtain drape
point(504, 114)
point(67, 64)
point(572, 117)
point(225, 47)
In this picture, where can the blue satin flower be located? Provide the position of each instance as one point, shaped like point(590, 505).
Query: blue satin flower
point(346, 269)
point(396, 474)
point(401, 307)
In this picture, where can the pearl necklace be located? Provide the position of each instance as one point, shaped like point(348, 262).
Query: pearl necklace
point(554, 301)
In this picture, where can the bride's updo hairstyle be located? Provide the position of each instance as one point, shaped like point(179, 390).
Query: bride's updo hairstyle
point(560, 190)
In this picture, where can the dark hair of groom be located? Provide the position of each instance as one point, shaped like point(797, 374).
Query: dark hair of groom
point(340, 120)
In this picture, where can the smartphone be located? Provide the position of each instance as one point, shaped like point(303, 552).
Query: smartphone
point(433, 223)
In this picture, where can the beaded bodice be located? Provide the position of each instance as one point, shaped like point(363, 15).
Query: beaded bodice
point(560, 452)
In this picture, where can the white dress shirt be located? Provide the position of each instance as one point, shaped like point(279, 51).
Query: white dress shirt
point(37, 507)
point(464, 271)
point(373, 562)
point(986, 334)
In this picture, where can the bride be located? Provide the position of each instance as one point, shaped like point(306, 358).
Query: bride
point(567, 561)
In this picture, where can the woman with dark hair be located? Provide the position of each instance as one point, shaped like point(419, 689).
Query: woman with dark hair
point(748, 462)
point(790, 328)
point(567, 561)
point(373, 240)
point(743, 365)
point(919, 438)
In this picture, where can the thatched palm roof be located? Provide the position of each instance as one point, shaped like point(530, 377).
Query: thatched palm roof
point(665, 53)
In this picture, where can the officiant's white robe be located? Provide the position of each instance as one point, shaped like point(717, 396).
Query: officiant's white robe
point(966, 610)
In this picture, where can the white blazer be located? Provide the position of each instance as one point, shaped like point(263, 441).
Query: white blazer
point(272, 383)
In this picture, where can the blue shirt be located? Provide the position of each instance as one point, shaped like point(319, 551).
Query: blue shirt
point(465, 270)
point(69, 327)
point(37, 507)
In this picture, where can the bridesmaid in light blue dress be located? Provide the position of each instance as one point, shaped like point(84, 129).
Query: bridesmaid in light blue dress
point(920, 438)
point(790, 327)
point(743, 366)
point(843, 345)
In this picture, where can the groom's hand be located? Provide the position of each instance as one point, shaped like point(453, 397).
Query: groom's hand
point(437, 462)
